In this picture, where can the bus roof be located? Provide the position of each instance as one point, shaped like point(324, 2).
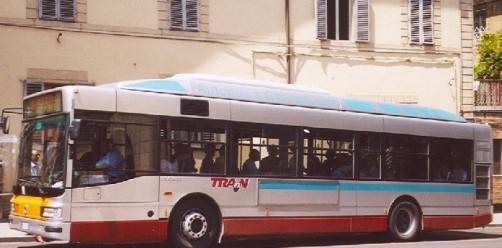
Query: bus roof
point(201, 85)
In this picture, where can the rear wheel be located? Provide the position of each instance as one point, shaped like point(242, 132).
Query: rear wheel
point(193, 223)
point(404, 221)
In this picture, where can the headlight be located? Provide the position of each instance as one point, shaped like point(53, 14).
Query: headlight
point(13, 207)
point(53, 213)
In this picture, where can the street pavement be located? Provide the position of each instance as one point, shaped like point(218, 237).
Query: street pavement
point(9, 235)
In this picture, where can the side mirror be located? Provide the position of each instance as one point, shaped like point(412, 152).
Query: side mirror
point(4, 124)
point(74, 129)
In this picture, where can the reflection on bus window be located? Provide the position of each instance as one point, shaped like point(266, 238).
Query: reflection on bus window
point(42, 158)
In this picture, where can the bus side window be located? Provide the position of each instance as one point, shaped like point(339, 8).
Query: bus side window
point(329, 153)
point(266, 150)
point(193, 147)
point(369, 156)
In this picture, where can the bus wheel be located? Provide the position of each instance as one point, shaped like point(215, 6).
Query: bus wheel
point(404, 221)
point(193, 224)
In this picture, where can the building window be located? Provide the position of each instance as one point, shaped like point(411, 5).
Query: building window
point(421, 22)
point(35, 86)
point(62, 10)
point(343, 20)
point(184, 15)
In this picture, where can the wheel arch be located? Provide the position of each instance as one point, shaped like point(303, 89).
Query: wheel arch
point(408, 198)
point(200, 196)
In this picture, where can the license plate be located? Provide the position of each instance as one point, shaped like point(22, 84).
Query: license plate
point(24, 226)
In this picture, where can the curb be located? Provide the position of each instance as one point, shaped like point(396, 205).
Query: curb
point(16, 239)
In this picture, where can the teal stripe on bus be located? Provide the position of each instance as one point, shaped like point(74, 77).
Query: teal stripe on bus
point(158, 85)
point(298, 185)
point(366, 186)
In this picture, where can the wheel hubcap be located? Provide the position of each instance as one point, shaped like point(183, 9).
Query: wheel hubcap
point(405, 221)
point(194, 225)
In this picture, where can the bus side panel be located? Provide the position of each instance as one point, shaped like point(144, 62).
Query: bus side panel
point(119, 232)
point(118, 213)
point(304, 205)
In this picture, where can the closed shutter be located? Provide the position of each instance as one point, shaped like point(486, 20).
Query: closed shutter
point(421, 22)
point(176, 14)
point(184, 14)
point(67, 10)
point(31, 87)
point(47, 9)
point(322, 19)
point(192, 14)
point(428, 22)
point(362, 20)
point(57, 9)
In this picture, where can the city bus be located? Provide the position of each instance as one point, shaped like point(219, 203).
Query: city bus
point(199, 158)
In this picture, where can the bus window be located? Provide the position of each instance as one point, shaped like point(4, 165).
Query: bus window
point(329, 153)
point(405, 158)
point(369, 156)
point(451, 160)
point(193, 147)
point(122, 141)
point(265, 149)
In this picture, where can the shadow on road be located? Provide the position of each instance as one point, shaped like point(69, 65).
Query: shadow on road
point(312, 241)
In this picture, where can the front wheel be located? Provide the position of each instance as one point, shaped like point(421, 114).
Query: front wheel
point(404, 221)
point(193, 224)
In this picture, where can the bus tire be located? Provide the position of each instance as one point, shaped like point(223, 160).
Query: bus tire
point(404, 221)
point(193, 224)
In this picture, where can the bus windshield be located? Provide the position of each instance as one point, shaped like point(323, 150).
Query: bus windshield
point(41, 163)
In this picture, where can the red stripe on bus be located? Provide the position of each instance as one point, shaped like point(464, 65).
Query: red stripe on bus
point(265, 226)
point(144, 231)
point(456, 222)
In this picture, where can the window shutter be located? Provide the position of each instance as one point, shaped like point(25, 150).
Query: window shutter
point(428, 22)
point(192, 14)
point(67, 10)
point(31, 87)
point(363, 20)
point(176, 14)
point(322, 19)
point(414, 21)
point(47, 9)
point(421, 22)
point(184, 14)
point(57, 9)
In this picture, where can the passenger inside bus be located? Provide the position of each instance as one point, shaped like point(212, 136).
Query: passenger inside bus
point(249, 166)
point(458, 174)
point(329, 164)
point(219, 162)
point(208, 161)
point(343, 166)
point(270, 164)
point(369, 169)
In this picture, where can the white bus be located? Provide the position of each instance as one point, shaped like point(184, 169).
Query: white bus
point(199, 158)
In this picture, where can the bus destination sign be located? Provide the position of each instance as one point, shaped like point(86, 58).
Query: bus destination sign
point(43, 104)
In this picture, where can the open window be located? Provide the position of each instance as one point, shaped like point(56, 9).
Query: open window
point(343, 20)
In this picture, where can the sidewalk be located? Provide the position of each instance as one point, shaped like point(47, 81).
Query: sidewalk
point(9, 235)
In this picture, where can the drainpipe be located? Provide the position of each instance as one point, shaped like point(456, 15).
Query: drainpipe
point(288, 43)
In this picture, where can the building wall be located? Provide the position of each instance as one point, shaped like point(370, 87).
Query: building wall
point(114, 40)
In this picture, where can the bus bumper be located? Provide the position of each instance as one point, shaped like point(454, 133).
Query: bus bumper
point(46, 229)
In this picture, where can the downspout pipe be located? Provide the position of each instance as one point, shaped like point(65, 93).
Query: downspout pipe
point(288, 43)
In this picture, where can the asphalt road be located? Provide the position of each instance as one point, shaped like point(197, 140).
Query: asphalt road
point(486, 238)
